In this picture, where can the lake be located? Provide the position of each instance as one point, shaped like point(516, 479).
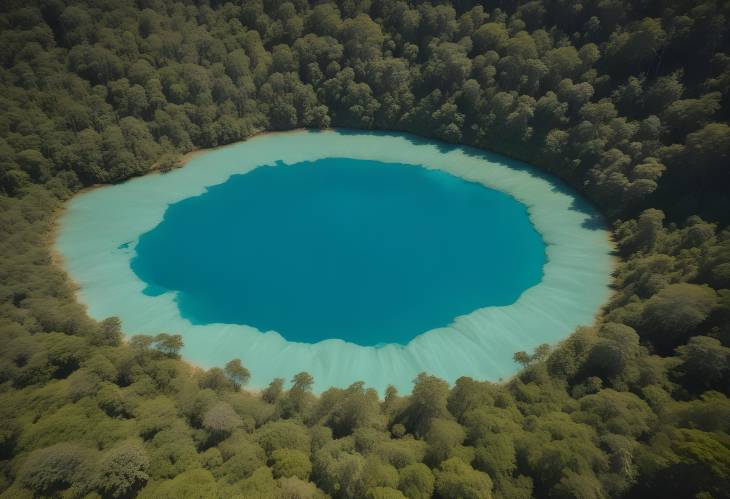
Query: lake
point(365, 251)
point(350, 255)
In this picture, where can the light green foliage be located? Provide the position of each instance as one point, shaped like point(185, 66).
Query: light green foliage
point(194, 402)
point(401, 453)
point(228, 447)
point(376, 473)
point(283, 435)
point(253, 410)
point(65, 353)
point(416, 481)
point(299, 396)
point(82, 421)
point(455, 478)
point(696, 446)
point(290, 463)
point(237, 373)
point(443, 437)
point(259, 485)
point(294, 488)
point(468, 394)
point(155, 415)
point(616, 412)
point(191, 484)
point(384, 493)
point(555, 445)
point(101, 367)
point(339, 469)
point(171, 452)
point(575, 485)
point(428, 401)
point(350, 409)
point(247, 458)
point(703, 458)
point(211, 458)
point(495, 455)
point(570, 354)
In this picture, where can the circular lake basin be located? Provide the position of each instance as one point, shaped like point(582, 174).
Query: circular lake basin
point(350, 255)
point(364, 251)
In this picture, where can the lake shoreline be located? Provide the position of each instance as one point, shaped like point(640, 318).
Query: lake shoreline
point(452, 151)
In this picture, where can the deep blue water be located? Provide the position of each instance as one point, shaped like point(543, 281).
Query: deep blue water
point(368, 252)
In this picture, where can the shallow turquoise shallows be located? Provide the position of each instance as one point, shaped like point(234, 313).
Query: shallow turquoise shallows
point(365, 251)
point(350, 255)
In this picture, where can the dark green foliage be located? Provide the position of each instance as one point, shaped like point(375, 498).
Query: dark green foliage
point(52, 469)
point(705, 363)
point(626, 101)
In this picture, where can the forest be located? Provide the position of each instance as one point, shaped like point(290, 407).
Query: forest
point(627, 101)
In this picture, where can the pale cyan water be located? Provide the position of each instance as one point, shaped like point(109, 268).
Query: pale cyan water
point(365, 251)
point(102, 231)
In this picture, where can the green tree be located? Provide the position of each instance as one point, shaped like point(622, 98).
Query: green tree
point(416, 481)
point(522, 358)
point(705, 362)
point(290, 463)
point(190, 484)
point(676, 310)
point(428, 401)
point(221, 419)
point(51, 470)
point(384, 493)
point(238, 374)
point(443, 437)
point(710, 147)
point(622, 413)
point(455, 478)
point(361, 37)
point(283, 435)
point(155, 415)
point(273, 392)
point(123, 470)
point(169, 344)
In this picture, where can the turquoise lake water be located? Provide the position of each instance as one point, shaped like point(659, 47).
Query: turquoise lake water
point(365, 251)
point(409, 256)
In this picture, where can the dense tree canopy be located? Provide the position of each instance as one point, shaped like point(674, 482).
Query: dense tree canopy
point(626, 101)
